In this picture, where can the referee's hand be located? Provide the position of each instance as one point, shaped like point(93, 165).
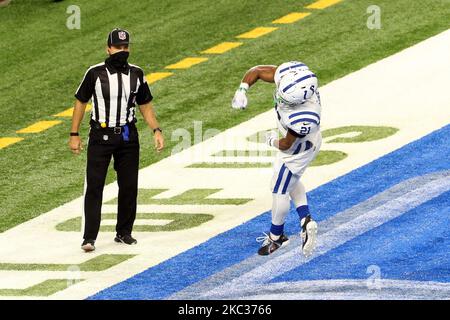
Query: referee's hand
point(159, 141)
point(75, 144)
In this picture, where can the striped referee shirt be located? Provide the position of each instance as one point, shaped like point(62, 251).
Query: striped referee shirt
point(114, 93)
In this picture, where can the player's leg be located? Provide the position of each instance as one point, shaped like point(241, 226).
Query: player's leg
point(298, 196)
point(280, 209)
point(281, 181)
point(307, 224)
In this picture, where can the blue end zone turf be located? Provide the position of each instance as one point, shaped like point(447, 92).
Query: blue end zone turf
point(413, 246)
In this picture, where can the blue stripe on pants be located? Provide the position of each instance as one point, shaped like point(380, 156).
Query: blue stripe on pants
point(286, 184)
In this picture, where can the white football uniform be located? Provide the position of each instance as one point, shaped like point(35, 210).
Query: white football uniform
point(302, 121)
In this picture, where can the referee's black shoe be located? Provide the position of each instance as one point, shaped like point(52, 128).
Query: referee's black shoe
point(127, 239)
point(88, 245)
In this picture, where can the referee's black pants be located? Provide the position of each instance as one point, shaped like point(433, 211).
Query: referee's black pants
point(126, 164)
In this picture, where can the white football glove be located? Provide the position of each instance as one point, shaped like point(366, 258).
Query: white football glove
point(240, 97)
point(271, 137)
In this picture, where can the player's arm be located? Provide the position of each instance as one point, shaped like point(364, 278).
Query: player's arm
point(264, 72)
point(283, 143)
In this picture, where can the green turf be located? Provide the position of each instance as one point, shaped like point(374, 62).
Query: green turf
point(42, 63)
point(193, 196)
point(364, 133)
point(179, 221)
point(231, 165)
point(328, 157)
point(323, 158)
point(245, 153)
point(99, 263)
point(43, 289)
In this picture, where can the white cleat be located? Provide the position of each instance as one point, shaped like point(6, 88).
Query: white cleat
point(308, 235)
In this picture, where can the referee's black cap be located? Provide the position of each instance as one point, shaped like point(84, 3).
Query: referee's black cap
point(118, 37)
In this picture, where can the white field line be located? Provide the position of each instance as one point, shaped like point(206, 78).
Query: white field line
point(335, 237)
point(384, 289)
point(392, 92)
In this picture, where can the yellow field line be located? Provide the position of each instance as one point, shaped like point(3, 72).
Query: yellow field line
point(222, 47)
point(4, 142)
point(69, 112)
point(291, 17)
point(256, 33)
point(39, 126)
point(155, 76)
point(186, 63)
point(322, 4)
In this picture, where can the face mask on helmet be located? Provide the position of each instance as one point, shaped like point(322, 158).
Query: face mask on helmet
point(296, 87)
point(279, 99)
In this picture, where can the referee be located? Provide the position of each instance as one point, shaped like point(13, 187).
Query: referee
point(115, 87)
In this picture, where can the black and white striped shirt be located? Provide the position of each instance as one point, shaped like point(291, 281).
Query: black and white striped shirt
point(114, 93)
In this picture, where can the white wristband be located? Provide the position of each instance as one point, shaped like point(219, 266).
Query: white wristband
point(244, 86)
point(273, 142)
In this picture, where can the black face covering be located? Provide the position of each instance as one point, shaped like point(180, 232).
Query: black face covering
point(119, 60)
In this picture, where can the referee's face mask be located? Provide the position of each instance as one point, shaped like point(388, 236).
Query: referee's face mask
point(118, 56)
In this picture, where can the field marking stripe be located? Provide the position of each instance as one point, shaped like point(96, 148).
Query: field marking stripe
point(186, 63)
point(291, 17)
point(222, 47)
point(69, 112)
point(256, 33)
point(95, 264)
point(142, 222)
point(346, 289)
point(6, 141)
point(250, 263)
point(45, 288)
point(39, 126)
point(322, 4)
point(338, 235)
point(156, 76)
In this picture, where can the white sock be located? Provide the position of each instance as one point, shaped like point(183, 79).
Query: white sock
point(298, 195)
point(280, 209)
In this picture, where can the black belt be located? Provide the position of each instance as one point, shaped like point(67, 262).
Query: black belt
point(123, 130)
point(114, 130)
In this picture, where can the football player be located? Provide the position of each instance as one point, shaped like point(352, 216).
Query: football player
point(298, 110)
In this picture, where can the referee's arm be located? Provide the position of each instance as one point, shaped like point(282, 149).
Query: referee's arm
point(78, 113)
point(83, 95)
point(149, 115)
